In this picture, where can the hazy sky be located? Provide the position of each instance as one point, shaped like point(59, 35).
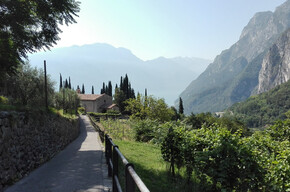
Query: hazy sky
point(153, 28)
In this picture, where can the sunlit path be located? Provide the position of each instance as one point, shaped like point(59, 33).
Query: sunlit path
point(79, 167)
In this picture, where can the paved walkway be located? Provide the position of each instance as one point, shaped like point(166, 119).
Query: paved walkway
point(79, 167)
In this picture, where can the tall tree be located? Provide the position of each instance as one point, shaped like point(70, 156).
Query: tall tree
point(28, 26)
point(60, 82)
point(83, 89)
point(103, 90)
point(69, 84)
point(110, 89)
point(106, 89)
point(126, 86)
point(28, 87)
point(93, 92)
point(119, 98)
point(66, 84)
point(121, 83)
point(180, 106)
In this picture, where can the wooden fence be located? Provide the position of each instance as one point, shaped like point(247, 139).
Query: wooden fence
point(113, 156)
point(132, 180)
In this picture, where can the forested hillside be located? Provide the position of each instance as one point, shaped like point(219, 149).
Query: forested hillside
point(263, 109)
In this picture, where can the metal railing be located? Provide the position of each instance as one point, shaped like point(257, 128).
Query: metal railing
point(132, 180)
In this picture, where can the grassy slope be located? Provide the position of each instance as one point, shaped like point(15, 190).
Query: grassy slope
point(150, 166)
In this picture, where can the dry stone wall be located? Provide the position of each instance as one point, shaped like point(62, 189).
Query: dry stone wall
point(28, 140)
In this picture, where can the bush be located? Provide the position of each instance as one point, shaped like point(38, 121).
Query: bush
point(4, 100)
point(218, 158)
point(82, 110)
point(143, 130)
point(67, 100)
point(27, 88)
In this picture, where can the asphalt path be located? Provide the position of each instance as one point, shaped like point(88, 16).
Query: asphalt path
point(79, 167)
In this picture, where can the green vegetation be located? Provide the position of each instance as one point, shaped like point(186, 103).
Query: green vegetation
point(263, 109)
point(27, 26)
point(67, 100)
point(122, 93)
point(205, 153)
point(107, 89)
point(149, 107)
point(26, 89)
point(61, 113)
point(81, 110)
point(117, 129)
point(150, 166)
point(3, 100)
point(25, 92)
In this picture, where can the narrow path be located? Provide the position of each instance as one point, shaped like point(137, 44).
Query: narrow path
point(79, 167)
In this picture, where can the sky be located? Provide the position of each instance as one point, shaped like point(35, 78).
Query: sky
point(169, 28)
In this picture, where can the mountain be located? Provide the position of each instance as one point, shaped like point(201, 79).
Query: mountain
point(276, 64)
point(234, 74)
point(97, 63)
point(265, 108)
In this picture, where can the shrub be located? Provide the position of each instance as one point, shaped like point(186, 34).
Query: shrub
point(82, 110)
point(143, 130)
point(3, 100)
point(218, 158)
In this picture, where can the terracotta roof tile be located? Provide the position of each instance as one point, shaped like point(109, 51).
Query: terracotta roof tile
point(111, 106)
point(89, 97)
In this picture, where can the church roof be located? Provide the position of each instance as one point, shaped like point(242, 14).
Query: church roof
point(89, 97)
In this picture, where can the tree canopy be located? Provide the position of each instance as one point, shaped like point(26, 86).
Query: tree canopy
point(264, 109)
point(28, 26)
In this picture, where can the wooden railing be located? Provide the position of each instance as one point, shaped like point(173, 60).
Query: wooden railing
point(132, 180)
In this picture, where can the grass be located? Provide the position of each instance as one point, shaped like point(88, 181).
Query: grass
point(118, 129)
point(146, 157)
point(69, 115)
point(6, 107)
point(150, 166)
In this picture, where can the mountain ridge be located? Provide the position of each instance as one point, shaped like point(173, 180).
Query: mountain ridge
point(217, 87)
point(97, 63)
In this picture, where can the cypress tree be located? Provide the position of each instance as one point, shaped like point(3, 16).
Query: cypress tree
point(83, 89)
point(69, 84)
point(93, 90)
point(180, 106)
point(145, 102)
point(103, 90)
point(121, 83)
point(66, 84)
point(60, 81)
point(106, 90)
point(132, 94)
point(126, 86)
point(110, 89)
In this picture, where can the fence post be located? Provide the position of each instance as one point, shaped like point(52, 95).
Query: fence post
point(109, 155)
point(115, 168)
point(107, 148)
point(130, 184)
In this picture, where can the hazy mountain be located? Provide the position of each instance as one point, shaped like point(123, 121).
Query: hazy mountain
point(98, 63)
point(233, 76)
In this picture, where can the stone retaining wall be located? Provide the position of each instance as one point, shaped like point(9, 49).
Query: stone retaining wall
point(29, 140)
